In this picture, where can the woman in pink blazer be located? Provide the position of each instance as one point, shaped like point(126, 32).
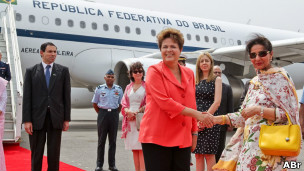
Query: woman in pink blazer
point(169, 123)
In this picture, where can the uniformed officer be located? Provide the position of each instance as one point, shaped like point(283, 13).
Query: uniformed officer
point(4, 70)
point(106, 102)
point(182, 59)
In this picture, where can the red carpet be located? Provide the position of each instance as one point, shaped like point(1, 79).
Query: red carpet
point(19, 159)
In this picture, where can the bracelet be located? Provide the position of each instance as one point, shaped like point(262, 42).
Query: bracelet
point(195, 134)
point(262, 111)
point(223, 120)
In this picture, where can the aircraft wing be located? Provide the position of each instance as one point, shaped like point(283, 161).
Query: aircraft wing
point(236, 61)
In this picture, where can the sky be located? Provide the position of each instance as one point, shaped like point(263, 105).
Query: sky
point(279, 14)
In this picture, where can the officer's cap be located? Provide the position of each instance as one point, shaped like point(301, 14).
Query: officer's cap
point(182, 57)
point(110, 72)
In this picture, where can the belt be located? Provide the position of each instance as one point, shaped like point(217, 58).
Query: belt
point(108, 110)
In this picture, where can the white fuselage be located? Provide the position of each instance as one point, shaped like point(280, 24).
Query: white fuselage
point(92, 37)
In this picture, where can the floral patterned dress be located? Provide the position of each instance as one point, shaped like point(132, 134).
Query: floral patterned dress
point(271, 89)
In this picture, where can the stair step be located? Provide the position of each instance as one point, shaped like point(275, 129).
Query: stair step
point(3, 48)
point(2, 43)
point(9, 100)
point(8, 108)
point(8, 116)
point(8, 135)
point(9, 125)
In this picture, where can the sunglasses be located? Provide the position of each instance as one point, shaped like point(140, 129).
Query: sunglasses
point(261, 54)
point(217, 72)
point(135, 72)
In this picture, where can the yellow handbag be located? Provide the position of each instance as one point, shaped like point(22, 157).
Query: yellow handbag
point(280, 140)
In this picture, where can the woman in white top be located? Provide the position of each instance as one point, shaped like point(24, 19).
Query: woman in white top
point(133, 102)
point(3, 98)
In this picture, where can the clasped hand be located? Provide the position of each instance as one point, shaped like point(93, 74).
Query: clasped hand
point(249, 112)
point(205, 121)
point(131, 115)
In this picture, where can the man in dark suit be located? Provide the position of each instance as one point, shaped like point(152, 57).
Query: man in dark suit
point(4, 70)
point(46, 107)
point(225, 107)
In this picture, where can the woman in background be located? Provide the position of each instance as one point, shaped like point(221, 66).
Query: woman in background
point(133, 102)
point(3, 98)
point(208, 99)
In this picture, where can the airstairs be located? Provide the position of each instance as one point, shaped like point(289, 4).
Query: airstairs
point(10, 54)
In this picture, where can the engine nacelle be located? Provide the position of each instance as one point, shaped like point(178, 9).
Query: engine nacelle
point(121, 69)
point(81, 98)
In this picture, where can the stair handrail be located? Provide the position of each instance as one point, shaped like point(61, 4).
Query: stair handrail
point(15, 49)
point(10, 36)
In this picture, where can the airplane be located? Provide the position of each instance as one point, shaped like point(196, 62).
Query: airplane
point(94, 37)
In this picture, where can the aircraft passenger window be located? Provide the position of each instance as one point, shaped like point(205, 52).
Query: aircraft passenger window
point(18, 17)
point(189, 36)
point(214, 40)
point(198, 38)
point(127, 29)
point(70, 23)
point(116, 28)
point(153, 32)
point(45, 20)
point(231, 42)
point(105, 27)
point(94, 26)
point(138, 31)
point(206, 39)
point(58, 21)
point(239, 42)
point(82, 24)
point(223, 41)
point(32, 18)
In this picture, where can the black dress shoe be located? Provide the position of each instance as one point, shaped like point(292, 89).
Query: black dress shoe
point(113, 168)
point(98, 168)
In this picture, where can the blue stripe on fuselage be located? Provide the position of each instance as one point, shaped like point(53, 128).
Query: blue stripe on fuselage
point(91, 39)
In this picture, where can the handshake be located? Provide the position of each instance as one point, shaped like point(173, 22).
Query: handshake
point(207, 120)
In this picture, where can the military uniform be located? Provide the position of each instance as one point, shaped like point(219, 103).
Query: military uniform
point(5, 71)
point(108, 100)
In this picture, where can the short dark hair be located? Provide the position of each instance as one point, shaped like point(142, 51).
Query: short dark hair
point(136, 66)
point(172, 33)
point(259, 40)
point(44, 45)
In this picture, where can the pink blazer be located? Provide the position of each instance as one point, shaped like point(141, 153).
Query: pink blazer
point(162, 122)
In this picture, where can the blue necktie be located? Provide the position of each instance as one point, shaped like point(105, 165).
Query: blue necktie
point(47, 75)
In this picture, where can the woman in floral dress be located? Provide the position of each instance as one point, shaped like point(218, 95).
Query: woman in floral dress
point(270, 95)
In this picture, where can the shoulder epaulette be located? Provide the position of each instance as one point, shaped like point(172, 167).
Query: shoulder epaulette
point(98, 87)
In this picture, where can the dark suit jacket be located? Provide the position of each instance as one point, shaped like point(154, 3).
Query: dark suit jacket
point(226, 102)
point(37, 97)
point(5, 71)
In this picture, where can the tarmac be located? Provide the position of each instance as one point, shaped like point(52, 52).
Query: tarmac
point(79, 144)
